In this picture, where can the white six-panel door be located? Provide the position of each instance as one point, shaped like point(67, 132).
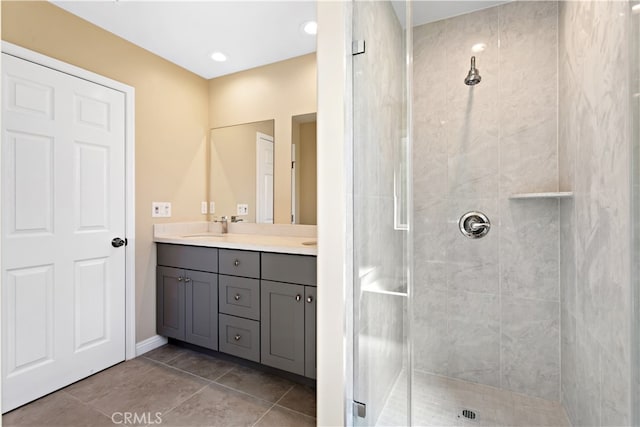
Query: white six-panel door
point(63, 201)
point(264, 178)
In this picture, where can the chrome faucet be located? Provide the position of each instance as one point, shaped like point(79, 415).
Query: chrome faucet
point(225, 223)
point(235, 219)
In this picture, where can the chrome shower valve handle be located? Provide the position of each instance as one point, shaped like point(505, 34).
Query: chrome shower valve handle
point(474, 225)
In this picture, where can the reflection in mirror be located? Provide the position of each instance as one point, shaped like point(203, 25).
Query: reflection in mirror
point(303, 172)
point(241, 171)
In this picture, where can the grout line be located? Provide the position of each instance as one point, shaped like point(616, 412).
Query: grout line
point(272, 406)
point(222, 375)
point(164, 413)
point(87, 404)
point(263, 415)
point(183, 371)
point(170, 360)
point(210, 382)
point(241, 392)
point(293, 410)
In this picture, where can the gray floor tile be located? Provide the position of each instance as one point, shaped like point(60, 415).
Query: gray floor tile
point(166, 353)
point(100, 384)
point(202, 365)
point(217, 406)
point(177, 384)
point(301, 399)
point(283, 417)
point(259, 384)
point(57, 409)
point(156, 390)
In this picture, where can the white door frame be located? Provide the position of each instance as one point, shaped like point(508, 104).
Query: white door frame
point(130, 223)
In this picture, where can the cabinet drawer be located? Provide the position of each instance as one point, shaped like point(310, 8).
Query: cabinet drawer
point(289, 268)
point(240, 337)
point(239, 296)
point(240, 263)
point(189, 257)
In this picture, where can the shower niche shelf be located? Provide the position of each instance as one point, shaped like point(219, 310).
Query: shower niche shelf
point(546, 195)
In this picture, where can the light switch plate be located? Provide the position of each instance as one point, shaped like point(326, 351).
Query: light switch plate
point(212, 207)
point(203, 208)
point(161, 209)
point(242, 209)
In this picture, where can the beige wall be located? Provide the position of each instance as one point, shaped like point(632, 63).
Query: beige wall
point(277, 91)
point(233, 167)
point(307, 169)
point(171, 122)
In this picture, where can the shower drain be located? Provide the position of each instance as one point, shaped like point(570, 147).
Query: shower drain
point(468, 414)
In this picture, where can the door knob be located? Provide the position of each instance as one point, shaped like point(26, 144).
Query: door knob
point(117, 242)
point(309, 299)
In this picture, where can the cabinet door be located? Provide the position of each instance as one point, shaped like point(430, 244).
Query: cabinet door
point(201, 308)
point(170, 298)
point(310, 331)
point(282, 331)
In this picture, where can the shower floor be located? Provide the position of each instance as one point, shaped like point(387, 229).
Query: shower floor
point(439, 401)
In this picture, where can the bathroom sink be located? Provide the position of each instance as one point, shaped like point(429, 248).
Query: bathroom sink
point(205, 235)
point(310, 243)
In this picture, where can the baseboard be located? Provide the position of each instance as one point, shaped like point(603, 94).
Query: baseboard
point(150, 344)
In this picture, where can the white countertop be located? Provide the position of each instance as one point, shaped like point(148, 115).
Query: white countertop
point(204, 234)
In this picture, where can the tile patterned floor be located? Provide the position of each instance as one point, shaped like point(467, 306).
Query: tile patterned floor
point(438, 401)
point(184, 387)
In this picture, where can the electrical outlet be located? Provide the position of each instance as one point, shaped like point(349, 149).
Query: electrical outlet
point(161, 209)
point(203, 208)
point(212, 207)
point(242, 209)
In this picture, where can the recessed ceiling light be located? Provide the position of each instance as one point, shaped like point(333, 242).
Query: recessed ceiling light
point(635, 8)
point(218, 56)
point(310, 27)
point(478, 47)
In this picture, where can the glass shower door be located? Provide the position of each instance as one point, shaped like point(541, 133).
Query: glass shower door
point(381, 207)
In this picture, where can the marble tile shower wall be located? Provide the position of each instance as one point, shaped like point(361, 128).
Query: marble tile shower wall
point(596, 224)
point(487, 310)
point(378, 117)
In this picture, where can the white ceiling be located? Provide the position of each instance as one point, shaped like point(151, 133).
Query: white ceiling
point(250, 33)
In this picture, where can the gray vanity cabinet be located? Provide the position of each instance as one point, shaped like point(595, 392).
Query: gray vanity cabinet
point(239, 297)
point(260, 306)
point(201, 309)
point(187, 300)
point(310, 332)
point(288, 312)
point(170, 305)
point(282, 331)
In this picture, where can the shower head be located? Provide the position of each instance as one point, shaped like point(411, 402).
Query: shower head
point(473, 78)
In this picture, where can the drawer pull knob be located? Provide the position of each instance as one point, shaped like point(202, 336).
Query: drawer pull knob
point(236, 297)
point(237, 337)
point(236, 263)
point(180, 279)
point(309, 299)
point(298, 297)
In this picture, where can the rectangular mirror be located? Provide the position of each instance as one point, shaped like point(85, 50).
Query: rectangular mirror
point(303, 169)
point(241, 171)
